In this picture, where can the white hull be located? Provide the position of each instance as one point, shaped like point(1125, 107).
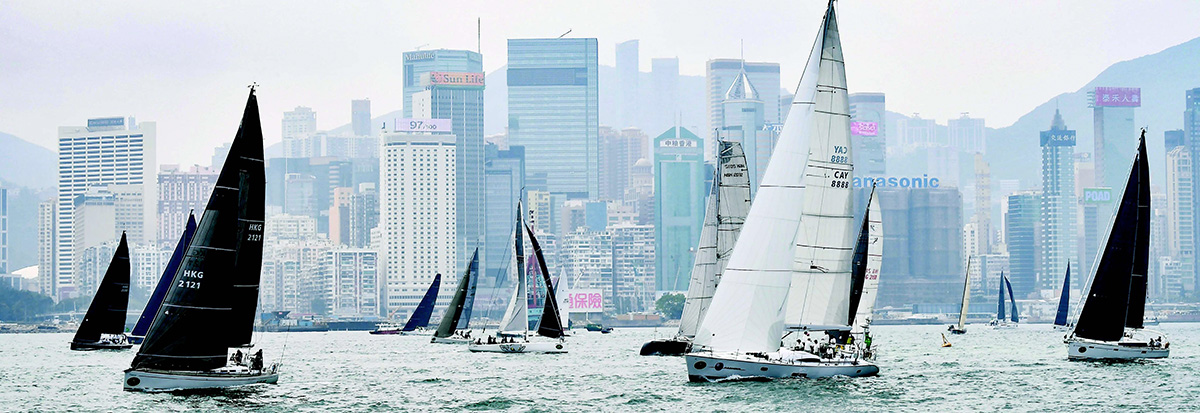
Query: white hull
point(450, 340)
point(153, 381)
point(704, 367)
point(546, 347)
point(1136, 347)
point(1062, 328)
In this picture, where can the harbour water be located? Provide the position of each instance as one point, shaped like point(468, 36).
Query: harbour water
point(1019, 370)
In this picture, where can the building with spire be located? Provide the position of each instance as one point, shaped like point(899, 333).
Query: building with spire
point(1058, 204)
point(744, 122)
point(719, 77)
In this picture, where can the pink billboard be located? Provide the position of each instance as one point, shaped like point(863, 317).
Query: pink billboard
point(864, 128)
point(1118, 96)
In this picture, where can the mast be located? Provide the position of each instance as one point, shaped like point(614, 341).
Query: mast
point(106, 314)
point(197, 321)
point(966, 298)
point(420, 316)
point(746, 313)
point(1117, 293)
point(164, 282)
point(1060, 318)
point(1000, 306)
point(516, 317)
point(251, 180)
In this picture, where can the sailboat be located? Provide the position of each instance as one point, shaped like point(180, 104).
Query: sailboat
point(1060, 318)
point(514, 333)
point(1001, 320)
point(793, 263)
point(419, 319)
point(728, 202)
point(453, 329)
point(1110, 324)
point(961, 328)
point(103, 327)
point(868, 260)
point(210, 306)
point(168, 276)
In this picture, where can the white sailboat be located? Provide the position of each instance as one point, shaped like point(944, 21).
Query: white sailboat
point(792, 269)
point(961, 328)
point(868, 260)
point(724, 215)
point(514, 335)
point(1111, 324)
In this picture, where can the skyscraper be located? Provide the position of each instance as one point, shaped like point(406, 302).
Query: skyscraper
point(180, 193)
point(679, 190)
point(868, 130)
point(1180, 231)
point(3, 230)
point(553, 99)
point(299, 123)
point(504, 175)
point(1115, 135)
point(664, 86)
point(743, 122)
point(1058, 204)
point(46, 222)
point(967, 134)
point(720, 75)
point(619, 150)
point(448, 84)
point(1021, 236)
point(364, 214)
point(983, 206)
point(350, 280)
point(1191, 128)
point(360, 117)
point(627, 84)
point(417, 217)
point(107, 151)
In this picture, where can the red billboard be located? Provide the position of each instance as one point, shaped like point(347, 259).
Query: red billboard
point(1118, 96)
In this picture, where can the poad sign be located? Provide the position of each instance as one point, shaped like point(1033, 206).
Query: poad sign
point(583, 301)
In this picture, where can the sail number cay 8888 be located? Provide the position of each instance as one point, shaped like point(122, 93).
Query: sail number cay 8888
point(191, 279)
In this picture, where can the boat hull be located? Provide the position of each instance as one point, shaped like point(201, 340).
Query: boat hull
point(89, 346)
point(156, 381)
point(666, 347)
point(1079, 349)
point(704, 367)
point(136, 339)
point(957, 331)
point(450, 340)
point(542, 347)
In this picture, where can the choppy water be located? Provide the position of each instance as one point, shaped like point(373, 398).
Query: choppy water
point(1020, 370)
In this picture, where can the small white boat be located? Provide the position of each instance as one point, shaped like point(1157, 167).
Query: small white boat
point(520, 346)
point(152, 380)
point(1135, 344)
point(707, 367)
point(455, 339)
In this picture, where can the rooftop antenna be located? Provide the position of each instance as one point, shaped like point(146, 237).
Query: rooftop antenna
point(742, 52)
point(419, 47)
point(564, 34)
point(479, 35)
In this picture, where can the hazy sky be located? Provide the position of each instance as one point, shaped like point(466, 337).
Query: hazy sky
point(185, 64)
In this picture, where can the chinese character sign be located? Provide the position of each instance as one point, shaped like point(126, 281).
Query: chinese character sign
point(1118, 96)
point(583, 301)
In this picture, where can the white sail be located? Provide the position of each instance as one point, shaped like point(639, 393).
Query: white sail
point(866, 303)
point(516, 317)
point(746, 313)
point(819, 297)
point(966, 298)
point(723, 219)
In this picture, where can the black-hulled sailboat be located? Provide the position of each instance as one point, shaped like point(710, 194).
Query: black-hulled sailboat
point(1110, 324)
point(514, 333)
point(455, 324)
point(103, 327)
point(209, 307)
point(164, 283)
point(1060, 318)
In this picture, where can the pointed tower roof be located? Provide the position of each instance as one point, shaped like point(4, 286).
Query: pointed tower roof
point(1058, 123)
point(741, 89)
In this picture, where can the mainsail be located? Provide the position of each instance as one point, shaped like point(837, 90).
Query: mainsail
point(1008, 283)
point(420, 316)
point(457, 313)
point(202, 313)
point(1000, 304)
point(966, 298)
point(164, 282)
point(724, 215)
point(550, 324)
point(1060, 318)
point(516, 317)
point(868, 258)
point(1117, 297)
point(106, 314)
point(747, 309)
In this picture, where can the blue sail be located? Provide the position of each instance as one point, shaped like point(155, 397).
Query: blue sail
point(164, 283)
point(420, 316)
point(1060, 319)
point(1000, 303)
point(1011, 298)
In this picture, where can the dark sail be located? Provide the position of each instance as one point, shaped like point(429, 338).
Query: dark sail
point(457, 307)
point(164, 282)
point(1060, 318)
point(858, 269)
point(550, 325)
point(1121, 274)
point(1000, 304)
point(191, 330)
point(1008, 284)
point(250, 177)
point(106, 314)
point(464, 319)
point(420, 316)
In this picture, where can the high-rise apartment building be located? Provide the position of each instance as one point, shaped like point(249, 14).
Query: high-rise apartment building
point(417, 217)
point(1181, 218)
point(364, 214)
point(922, 242)
point(1191, 131)
point(3, 230)
point(349, 278)
point(967, 134)
point(339, 216)
point(983, 205)
point(1058, 205)
point(46, 223)
point(627, 84)
point(868, 132)
point(181, 192)
point(679, 190)
point(299, 123)
point(1021, 232)
point(360, 117)
point(108, 151)
point(619, 151)
point(553, 111)
point(719, 77)
point(504, 176)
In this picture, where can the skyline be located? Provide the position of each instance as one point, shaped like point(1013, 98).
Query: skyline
point(197, 59)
